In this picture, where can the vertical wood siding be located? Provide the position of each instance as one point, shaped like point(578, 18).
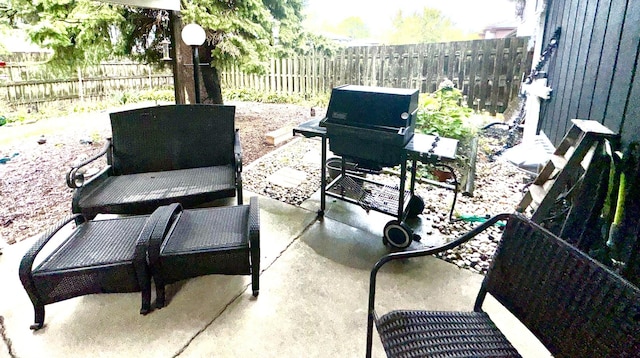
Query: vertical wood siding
point(594, 71)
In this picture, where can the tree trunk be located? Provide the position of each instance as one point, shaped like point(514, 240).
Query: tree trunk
point(181, 54)
point(184, 86)
point(210, 77)
point(211, 80)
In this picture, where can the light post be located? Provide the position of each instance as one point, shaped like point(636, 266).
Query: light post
point(194, 36)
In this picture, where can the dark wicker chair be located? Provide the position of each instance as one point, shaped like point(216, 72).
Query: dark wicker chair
point(160, 155)
point(197, 242)
point(574, 305)
point(102, 256)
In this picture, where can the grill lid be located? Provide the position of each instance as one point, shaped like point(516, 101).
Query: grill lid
point(372, 107)
point(370, 125)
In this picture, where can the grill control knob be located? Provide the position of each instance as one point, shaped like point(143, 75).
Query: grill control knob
point(404, 115)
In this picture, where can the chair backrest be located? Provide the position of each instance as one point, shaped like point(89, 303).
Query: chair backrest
point(576, 306)
point(172, 137)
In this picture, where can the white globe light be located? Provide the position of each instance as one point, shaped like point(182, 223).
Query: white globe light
point(193, 35)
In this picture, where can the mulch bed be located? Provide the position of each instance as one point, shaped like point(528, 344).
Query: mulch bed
point(33, 191)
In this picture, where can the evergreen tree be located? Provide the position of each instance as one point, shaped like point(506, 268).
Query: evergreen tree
point(85, 32)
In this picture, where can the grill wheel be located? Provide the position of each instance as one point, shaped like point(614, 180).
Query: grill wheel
point(397, 234)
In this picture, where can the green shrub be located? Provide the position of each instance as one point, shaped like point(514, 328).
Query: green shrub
point(253, 95)
point(441, 113)
point(162, 95)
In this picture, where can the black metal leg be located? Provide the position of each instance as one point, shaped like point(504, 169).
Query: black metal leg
point(255, 271)
point(414, 169)
point(369, 334)
point(146, 301)
point(39, 317)
point(144, 281)
point(160, 294)
point(323, 176)
point(403, 175)
point(239, 188)
point(343, 172)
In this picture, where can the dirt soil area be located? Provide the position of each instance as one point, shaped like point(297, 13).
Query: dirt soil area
point(36, 157)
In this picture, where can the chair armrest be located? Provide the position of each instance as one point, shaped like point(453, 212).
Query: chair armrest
point(98, 177)
point(142, 242)
point(237, 152)
point(166, 215)
point(254, 222)
point(422, 252)
point(26, 263)
point(73, 175)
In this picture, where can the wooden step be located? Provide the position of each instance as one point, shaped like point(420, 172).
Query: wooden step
point(556, 163)
point(570, 159)
point(278, 136)
point(590, 126)
point(532, 198)
point(571, 139)
point(538, 192)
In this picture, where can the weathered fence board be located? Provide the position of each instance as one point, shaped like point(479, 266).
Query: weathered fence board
point(28, 84)
point(488, 72)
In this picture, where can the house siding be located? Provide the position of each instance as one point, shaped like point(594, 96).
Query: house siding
point(593, 72)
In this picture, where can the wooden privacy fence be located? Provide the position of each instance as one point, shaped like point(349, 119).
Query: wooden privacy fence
point(32, 84)
point(488, 72)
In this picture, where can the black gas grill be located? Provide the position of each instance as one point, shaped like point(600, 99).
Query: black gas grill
point(370, 128)
point(370, 125)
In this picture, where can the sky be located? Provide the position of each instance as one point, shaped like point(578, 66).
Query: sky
point(469, 15)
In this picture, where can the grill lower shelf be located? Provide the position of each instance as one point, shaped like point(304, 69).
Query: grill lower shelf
point(368, 194)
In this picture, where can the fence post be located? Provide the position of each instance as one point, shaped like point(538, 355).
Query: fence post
point(80, 88)
point(150, 79)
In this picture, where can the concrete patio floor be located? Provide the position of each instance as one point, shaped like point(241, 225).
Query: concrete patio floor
point(312, 302)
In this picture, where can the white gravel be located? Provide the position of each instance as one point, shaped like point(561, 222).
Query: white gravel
point(498, 189)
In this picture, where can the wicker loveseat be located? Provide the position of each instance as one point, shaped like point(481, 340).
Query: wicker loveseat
point(160, 155)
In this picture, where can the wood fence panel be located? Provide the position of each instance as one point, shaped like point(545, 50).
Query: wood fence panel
point(587, 25)
point(39, 85)
point(587, 86)
point(487, 71)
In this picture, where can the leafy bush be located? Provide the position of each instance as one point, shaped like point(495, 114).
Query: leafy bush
point(252, 95)
point(163, 95)
point(441, 113)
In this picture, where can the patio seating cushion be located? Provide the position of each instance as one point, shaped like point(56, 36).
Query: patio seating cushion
point(95, 243)
point(468, 334)
point(144, 192)
point(574, 305)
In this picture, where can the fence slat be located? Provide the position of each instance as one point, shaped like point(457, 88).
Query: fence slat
point(487, 71)
point(34, 84)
